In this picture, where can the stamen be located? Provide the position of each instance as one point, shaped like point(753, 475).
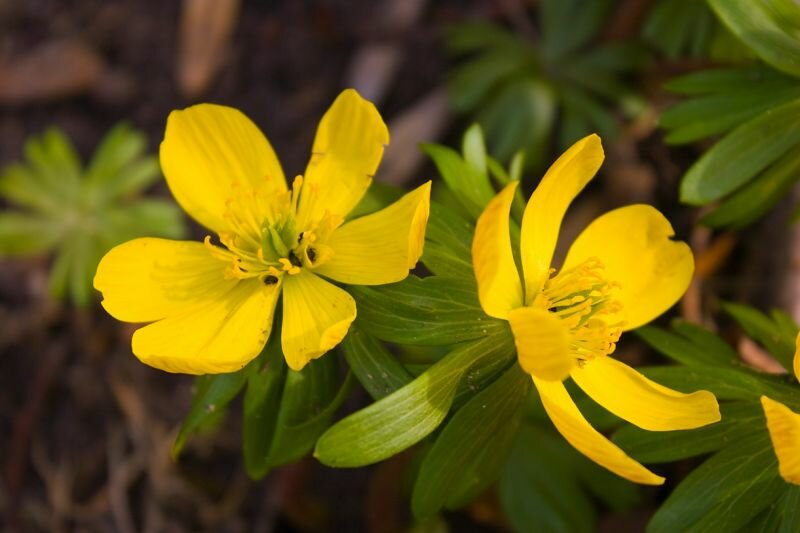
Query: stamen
point(580, 296)
point(289, 267)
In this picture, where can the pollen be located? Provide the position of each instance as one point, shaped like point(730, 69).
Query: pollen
point(584, 299)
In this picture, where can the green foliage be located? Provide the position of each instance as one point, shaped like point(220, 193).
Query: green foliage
point(522, 91)
point(79, 213)
point(680, 27)
point(411, 413)
point(468, 454)
point(756, 110)
point(739, 487)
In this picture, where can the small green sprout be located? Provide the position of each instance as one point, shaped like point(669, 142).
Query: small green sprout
point(78, 213)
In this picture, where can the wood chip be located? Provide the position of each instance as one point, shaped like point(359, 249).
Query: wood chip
point(423, 122)
point(205, 30)
point(55, 70)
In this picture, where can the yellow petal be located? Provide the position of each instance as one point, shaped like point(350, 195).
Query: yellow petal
point(635, 246)
point(784, 430)
point(316, 317)
point(346, 153)
point(207, 150)
point(796, 363)
point(381, 247)
point(542, 343)
point(631, 396)
point(547, 205)
point(573, 426)
point(499, 287)
point(148, 279)
point(220, 335)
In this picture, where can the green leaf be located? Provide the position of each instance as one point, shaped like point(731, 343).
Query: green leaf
point(753, 24)
point(677, 27)
point(762, 329)
point(790, 507)
point(473, 446)
point(59, 271)
point(409, 414)
point(724, 383)
point(448, 241)
point(85, 258)
point(260, 410)
point(120, 147)
point(21, 185)
point(711, 115)
point(520, 116)
point(132, 178)
point(474, 149)
point(52, 158)
point(426, 311)
point(309, 401)
point(212, 393)
point(738, 421)
point(752, 201)
point(722, 80)
point(378, 371)
point(378, 196)
point(470, 184)
point(152, 217)
point(726, 491)
point(567, 25)
point(690, 345)
point(743, 153)
point(543, 486)
point(24, 235)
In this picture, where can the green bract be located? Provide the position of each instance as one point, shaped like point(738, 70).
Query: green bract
point(78, 213)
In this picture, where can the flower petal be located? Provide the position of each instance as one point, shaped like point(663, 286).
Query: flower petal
point(217, 336)
point(542, 343)
point(346, 153)
point(573, 426)
point(631, 396)
point(316, 317)
point(148, 279)
point(548, 203)
point(635, 246)
point(383, 246)
point(499, 287)
point(207, 151)
point(784, 430)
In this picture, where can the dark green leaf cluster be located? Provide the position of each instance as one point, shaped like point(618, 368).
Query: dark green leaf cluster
point(738, 488)
point(523, 89)
point(756, 111)
point(78, 213)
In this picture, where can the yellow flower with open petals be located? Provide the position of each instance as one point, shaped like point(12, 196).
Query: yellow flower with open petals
point(783, 425)
point(212, 306)
point(621, 272)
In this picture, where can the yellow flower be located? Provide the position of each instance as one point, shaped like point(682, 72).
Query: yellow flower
point(212, 306)
point(621, 272)
point(784, 430)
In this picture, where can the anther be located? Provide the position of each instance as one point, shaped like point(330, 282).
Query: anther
point(270, 280)
point(294, 259)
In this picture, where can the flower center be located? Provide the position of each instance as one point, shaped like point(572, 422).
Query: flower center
point(263, 240)
point(582, 297)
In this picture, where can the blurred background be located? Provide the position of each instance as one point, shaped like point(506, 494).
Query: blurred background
point(85, 430)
